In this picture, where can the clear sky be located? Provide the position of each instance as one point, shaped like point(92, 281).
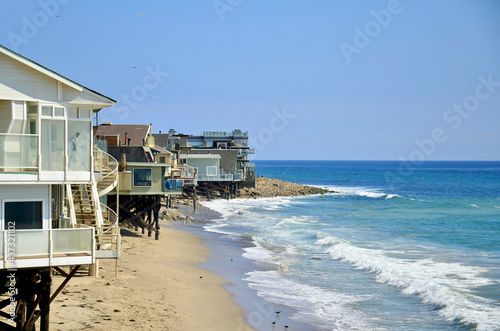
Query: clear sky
point(322, 79)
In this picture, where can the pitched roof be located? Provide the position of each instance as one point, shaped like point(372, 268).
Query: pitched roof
point(52, 73)
point(137, 133)
point(161, 150)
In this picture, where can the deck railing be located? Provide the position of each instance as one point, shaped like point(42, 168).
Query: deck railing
point(109, 215)
point(108, 241)
point(52, 247)
point(18, 152)
point(219, 177)
point(105, 170)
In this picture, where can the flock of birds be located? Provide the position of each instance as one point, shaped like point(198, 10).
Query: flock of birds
point(277, 315)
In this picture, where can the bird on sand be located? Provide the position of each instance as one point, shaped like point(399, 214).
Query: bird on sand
point(278, 312)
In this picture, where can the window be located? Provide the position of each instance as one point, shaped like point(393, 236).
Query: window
point(58, 112)
point(23, 215)
point(79, 145)
point(46, 111)
point(142, 177)
point(52, 145)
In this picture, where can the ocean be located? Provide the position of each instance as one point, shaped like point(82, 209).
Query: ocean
point(399, 247)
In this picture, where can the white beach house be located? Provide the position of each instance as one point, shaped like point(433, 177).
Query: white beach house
point(51, 175)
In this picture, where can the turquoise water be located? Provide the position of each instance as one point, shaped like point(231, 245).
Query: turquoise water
point(398, 248)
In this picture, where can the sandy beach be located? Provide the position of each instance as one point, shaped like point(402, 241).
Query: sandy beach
point(158, 287)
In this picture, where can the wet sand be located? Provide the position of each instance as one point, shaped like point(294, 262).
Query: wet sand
point(159, 287)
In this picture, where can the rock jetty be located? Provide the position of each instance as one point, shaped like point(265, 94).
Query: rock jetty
point(271, 187)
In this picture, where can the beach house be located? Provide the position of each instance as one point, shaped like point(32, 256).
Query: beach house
point(51, 178)
point(149, 174)
point(230, 145)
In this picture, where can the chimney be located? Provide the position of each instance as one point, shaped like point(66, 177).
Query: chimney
point(126, 139)
point(124, 162)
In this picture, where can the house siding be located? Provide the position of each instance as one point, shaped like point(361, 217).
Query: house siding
point(20, 82)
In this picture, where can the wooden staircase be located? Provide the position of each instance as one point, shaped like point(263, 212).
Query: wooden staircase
point(86, 210)
point(85, 207)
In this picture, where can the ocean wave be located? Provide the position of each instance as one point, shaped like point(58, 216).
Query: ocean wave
point(326, 240)
point(259, 253)
point(218, 228)
point(230, 208)
point(304, 219)
point(446, 285)
point(325, 308)
point(364, 192)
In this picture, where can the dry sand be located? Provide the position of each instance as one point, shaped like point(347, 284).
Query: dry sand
point(158, 288)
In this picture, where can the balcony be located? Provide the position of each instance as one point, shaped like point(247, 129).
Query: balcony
point(220, 177)
point(173, 186)
point(18, 152)
point(43, 248)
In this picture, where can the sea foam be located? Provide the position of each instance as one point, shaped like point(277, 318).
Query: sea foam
point(325, 308)
point(445, 285)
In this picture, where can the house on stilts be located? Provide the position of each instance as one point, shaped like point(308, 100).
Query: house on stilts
point(220, 159)
point(149, 175)
point(52, 176)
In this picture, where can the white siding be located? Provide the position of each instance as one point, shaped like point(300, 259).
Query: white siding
point(70, 95)
point(27, 193)
point(20, 82)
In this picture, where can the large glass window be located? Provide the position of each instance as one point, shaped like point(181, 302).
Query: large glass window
point(22, 215)
point(52, 145)
point(142, 177)
point(79, 146)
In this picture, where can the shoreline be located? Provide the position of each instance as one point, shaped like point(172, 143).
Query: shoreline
point(228, 262)
point(175, 283)
point(159, 287)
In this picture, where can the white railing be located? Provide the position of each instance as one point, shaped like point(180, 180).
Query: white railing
point(39, 248)
point(106, 168)
point(71, 205)
point(109, 215)
point(19, 152)
point(211, 178)
point(238, 175)
point(108, 240)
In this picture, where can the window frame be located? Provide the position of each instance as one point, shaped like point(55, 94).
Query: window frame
point(37, 199)
point(150, 177)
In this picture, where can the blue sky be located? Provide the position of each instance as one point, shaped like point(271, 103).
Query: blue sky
point(325, 79)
